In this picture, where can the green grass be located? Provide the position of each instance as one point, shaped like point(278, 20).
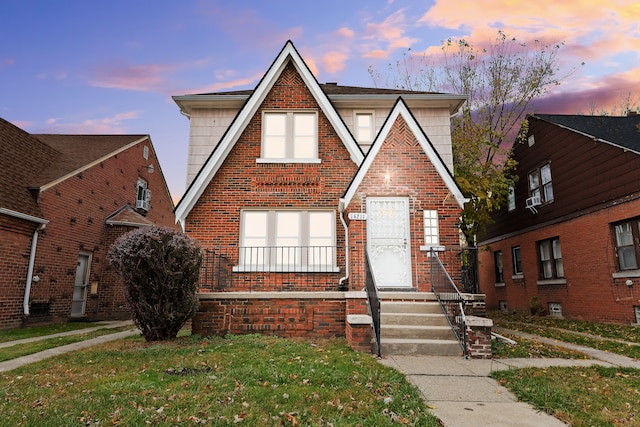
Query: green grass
point(256, 380)
point(525, 348)
point(594, 396)
point(38, 331)
point(605, 337)
point(20, 350)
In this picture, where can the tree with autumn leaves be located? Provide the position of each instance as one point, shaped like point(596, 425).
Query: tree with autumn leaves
point(500, 81)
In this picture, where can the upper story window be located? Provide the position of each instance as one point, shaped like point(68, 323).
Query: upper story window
point(363, 126)
point(550, 259)
point(431, 230)
point(143, 195)
point(540, 184)
point(511, 198)
point(290, 136)
point(287, 240)
point(627, 242)
point(531, 140)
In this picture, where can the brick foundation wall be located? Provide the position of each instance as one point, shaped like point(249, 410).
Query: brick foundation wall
point(588, 254)
point(479, 337)
point(285, 315)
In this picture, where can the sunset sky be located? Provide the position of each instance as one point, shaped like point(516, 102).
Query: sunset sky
point(78, 66)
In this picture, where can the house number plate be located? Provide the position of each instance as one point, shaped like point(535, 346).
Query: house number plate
point(358, 216)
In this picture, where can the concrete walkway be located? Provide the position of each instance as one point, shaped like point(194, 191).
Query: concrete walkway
point(21, 361)
point(461, 393)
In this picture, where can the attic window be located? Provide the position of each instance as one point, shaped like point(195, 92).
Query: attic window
point(143, 195)
point(145, 152)
point(289, 137)
point(531, 140)
point(363, 126)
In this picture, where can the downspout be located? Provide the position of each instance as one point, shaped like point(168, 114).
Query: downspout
point(32, 259)
point(346, 246)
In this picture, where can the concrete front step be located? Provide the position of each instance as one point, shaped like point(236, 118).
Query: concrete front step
point(406, 346)
point(429, 307)
point(417, 319)
point(415, 326)
point(417, 332)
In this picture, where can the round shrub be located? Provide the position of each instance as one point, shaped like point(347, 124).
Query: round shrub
point(160, 268)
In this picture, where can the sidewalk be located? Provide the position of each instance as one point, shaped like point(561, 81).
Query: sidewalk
point(21, 361)
point(461, 393)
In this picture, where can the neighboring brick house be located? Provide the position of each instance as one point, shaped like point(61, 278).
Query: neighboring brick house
point(568, 244)
point(285, 201)
point(64, 200)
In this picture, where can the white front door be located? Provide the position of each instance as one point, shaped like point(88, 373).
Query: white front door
point(388, 241)
point(80, 285)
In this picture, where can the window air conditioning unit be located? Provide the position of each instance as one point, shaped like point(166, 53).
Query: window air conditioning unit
point(532, 202)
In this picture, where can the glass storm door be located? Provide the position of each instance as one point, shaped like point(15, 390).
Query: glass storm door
point(80, 285)
point(388, 241)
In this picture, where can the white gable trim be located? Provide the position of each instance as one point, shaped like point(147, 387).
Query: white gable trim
point(220, 153)
point(401, 109)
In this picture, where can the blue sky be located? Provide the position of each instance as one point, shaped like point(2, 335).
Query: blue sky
point(80, 66)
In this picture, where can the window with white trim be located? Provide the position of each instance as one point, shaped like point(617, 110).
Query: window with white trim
point(363, 126)
point(511, 199)
point(550, 259)
point(540, 184)
point(431, 232)
point(287, 240)
point(290, 136)
point(143, 195)
point(627, 244)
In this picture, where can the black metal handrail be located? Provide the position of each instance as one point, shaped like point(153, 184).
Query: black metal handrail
point(233, 268)
point(374, 301)
point(450, 299)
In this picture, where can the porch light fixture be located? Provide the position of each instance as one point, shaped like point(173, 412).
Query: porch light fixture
point(150, 168)
point(387, 179)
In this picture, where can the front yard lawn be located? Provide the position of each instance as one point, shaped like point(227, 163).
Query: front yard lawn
point(253, 380)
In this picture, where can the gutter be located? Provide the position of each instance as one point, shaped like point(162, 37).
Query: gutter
point(346, 245)
point(30, 278)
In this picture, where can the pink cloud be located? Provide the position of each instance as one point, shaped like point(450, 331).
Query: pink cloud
point(389, 33)
point(104, 125)
point(142, 78)
point(243, 82)
point(345, 32)
point(334, 61)
point(7, 62)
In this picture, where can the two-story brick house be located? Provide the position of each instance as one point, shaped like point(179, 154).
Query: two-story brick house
point(64, 199)
point(292, 182)
point(568, 242)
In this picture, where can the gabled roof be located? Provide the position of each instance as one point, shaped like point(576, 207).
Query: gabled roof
point(223, 148)
point(623, 132)
point(400, 109)
point(22, 158)
point(30, 163)
point(128, 217)
point(80, 152)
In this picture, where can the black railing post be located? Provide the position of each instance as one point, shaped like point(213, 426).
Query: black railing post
point(374, 301)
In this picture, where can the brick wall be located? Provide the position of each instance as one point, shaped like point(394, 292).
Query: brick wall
point(286, 316)
point(589, 260)
point(15, 247)
point(242, 183)
point(77, 209)
point(412, 175)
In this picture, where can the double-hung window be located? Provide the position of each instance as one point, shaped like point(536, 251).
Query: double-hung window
point(143, 195)
point(287, 240)
point(540, 184)
point(550, 259)
point(290, 136)
point(627, 241)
